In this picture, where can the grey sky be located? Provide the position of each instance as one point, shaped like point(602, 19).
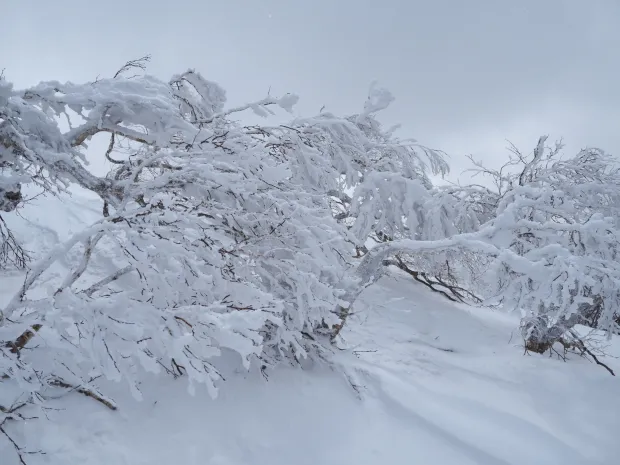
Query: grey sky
point(467, 74)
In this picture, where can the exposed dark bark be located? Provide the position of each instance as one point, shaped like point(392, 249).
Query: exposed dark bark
point(18, 344)
point(85, 391)
point(437, 284)
point(540, 335)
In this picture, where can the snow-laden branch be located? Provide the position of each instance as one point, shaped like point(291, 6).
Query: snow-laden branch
point(77, 136)
point(260, 107)
point(59, 252)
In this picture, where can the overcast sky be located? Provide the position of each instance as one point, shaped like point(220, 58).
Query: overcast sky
point(467, 74)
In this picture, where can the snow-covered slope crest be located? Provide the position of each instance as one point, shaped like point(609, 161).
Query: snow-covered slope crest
point(422, 381)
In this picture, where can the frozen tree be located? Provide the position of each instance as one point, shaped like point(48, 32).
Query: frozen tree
point(217, 241)
point(570, 204)
point(548, 236)
point(221, 244)
point(214, 245)
point(215, 238)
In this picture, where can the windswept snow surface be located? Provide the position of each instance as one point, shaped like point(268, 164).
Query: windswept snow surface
point(422, 381)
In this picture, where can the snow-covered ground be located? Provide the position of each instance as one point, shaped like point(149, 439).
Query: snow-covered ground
point(422, 381)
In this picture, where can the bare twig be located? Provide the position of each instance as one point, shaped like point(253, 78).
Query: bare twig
point(108, 152)
point(57, 382)
point(450, 291)
point(11, 413)
point(139, 63)
point(11, 252)
point(585, 349)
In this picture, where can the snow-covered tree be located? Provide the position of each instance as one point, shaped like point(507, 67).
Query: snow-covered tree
point(569, 206)
point(212, 243)
point(226, 245)
point(547, 235)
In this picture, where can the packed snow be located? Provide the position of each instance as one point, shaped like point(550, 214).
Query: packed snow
point(418, 380)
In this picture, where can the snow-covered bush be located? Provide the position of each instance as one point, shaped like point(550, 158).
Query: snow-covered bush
point(567, 210)
point(217, 238)
point(211, 238)
point(547, 235)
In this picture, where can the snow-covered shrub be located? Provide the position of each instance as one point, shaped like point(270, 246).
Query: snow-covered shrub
point(214, 237)
point(211, 238)
point(547, 234)
point(218, 238)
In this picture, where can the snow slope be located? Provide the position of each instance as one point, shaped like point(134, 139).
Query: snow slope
point(422, 381)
